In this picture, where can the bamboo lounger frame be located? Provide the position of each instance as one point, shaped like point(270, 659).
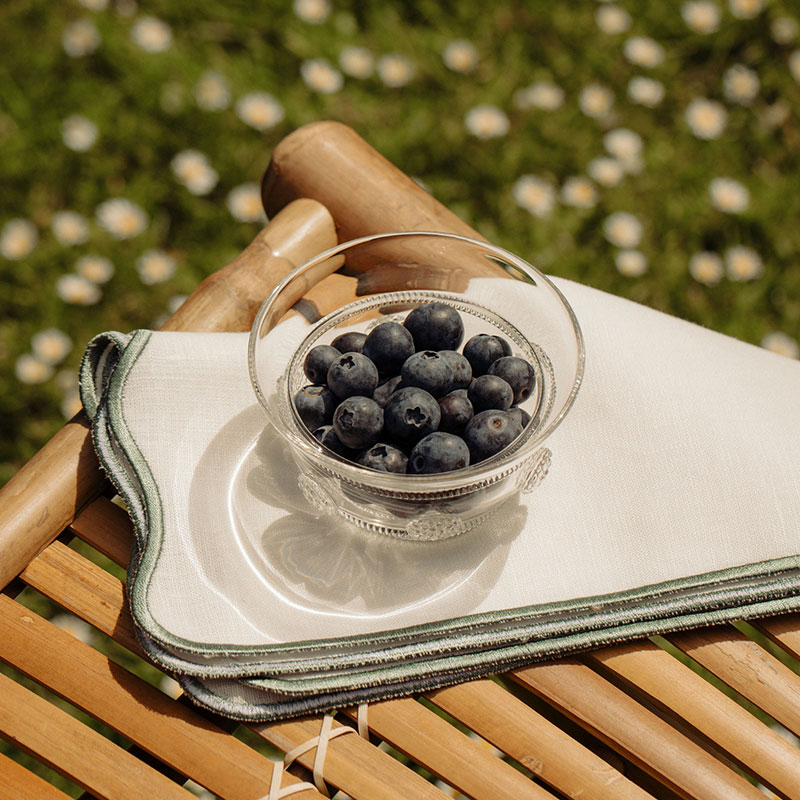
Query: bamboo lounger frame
point(627, 722)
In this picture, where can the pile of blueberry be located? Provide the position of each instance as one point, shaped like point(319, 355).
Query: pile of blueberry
point(403, 399)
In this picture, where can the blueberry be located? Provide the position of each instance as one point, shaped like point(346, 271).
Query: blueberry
point(410, 414)
point(462, 369)
point(518, 373)
point(352, 374)
point(386, 389)
point(490, 391)
point(388, 345)
point(352, 342)
point(327, 437)
point(358, 422)
point(318, 360)
point(438, 452)
point(429, 371)
point(315, 405)
point(384, 457)
point(483, 350)
point(435, 326)
point(456, 411)
point(520, 415)
point(489, 432)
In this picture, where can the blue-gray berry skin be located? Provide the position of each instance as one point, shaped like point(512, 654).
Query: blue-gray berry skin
point(520, 415)
point(518, 373)
point(483, 349)
point(358, 422)
point(438, 452)
point(315, 405)
point(410, 414)
point(388, 345)
point(327, 437)
point(352, 342)
point(429, 371)
point(386, 389)
point(490, 391)
point(352, 374)
point(318, 361)
point(489, 432)
point(462, 369)
point(456, 410)
point(435, 326)
point(384, 457)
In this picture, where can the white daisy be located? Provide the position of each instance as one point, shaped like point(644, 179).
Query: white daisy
point(775, 115)
point(631, 263)
point(80, 38)
point(312, 11)
point(395, 70)
point(121, 218)
point(579, 193)
point(542, 94)
point(94, 5)
point(192, 169)
point(612, 19)
point(706, 118)
point(781, 343)
point(794, 65)
point(623, 229)
point(605, 171)
point(71, 404)
point(595, 101)
point(66, 380)
point(151, 34)
point(212, 92)
point(244, 203)
point(69, 227)
point(259, 110)
point(320, 76)
point(460, 56)
point(740, 84)
point(534, 195)
point(73, 625)
point(743, 263)
point(155, 266)
point(643, 51)
point(645, 91)
point(175, 302)
point(706, 268)
point(78, 133)
point(701, 16)
point(729, 195)
point(51, 345)
point(96, 269)
point(31, 369)
point(17, 239)
point(626, 146)
point(76, 289)
point(745, 9)
point(487, 122)
point(126, 8)
point(357, 62)
point(784, 30)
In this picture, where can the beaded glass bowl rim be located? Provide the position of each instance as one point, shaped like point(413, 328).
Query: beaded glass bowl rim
point(481, 474)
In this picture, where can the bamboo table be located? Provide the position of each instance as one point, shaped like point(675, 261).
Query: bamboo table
point(628, 722)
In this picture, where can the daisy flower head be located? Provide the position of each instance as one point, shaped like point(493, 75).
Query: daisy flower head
point(94, 5)
point(314, 12)
point(794, 65)
point(578, 192)
point(784, 30)
point(17, 238)
point(96, 269)
point(487, 122)
point(155, 266)
point(643, 51)
point(395, 70)
point(706, 268)
point(612, 19)
point(728, 195)
point(701, 16)
point(259, 110)
point(706, 118)
point(460, 56)
point(645, 91)
point(78, 133)
point(740, 84)
point(80, 38)
point(212, 92)
point(51, 346)
point(357, 62)
point(626, 146)
point(595, 101)
point(77, 290)
point(175, 302)
point(320, 76)
point(534, 195)
point(781, 343)
point(69, 228)
point(745, 9)
point(623, 229)
point(126, 8)
point(544, 95)
point(743, 263)
point(244, 203)
point(122, 218)
point(192, 169)
point(605, 171)
point(151, 34)
point(631, 263)
point(31, 369)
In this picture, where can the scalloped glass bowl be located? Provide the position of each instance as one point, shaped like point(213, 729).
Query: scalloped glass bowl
point(495, 292)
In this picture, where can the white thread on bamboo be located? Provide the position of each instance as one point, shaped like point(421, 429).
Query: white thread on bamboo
point(363, 727)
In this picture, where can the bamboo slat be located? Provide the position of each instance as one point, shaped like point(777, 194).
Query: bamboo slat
point(22, 784)
point(783, 630)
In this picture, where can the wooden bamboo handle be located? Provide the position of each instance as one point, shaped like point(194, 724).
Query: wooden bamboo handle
point(46, 494)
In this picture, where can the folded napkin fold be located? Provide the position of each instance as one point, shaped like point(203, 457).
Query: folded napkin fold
point(671, 502)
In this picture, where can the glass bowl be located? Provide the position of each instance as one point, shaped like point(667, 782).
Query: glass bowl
point(496, 292)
